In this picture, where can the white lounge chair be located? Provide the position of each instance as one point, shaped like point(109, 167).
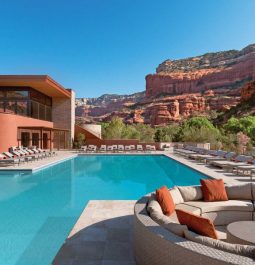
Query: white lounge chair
point(226, 157)
point(147, 148)
point(153, 148)
point(83, 149)
point(240, 160)
point(109, 148)
point(121, 148)
point(132, 148)
point(102, 148)
point(12, 156)
point(127, 148)
point(139, 148)
point(115, 148)
point(246, 168)
point(92, 148)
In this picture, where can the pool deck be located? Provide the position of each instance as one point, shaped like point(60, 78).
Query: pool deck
point(103, 235)
point(42, 163)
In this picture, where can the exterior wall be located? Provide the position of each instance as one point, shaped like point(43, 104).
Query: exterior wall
point(88, 135)
point(9, 128)
point(63, 114)
point(94, 128)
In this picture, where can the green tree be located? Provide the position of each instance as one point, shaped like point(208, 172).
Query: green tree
point(146, 132)
point(233, 125)
point(198, 122)
point(200, 130)
point(79, 141)
point(115, 129)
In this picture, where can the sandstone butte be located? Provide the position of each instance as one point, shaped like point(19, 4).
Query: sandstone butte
point(180, 88)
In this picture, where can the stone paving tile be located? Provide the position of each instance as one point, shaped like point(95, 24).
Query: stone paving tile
point(119, 234)
point(100, 239)
point(118, 251)
point(35, 165)
point(114, 262)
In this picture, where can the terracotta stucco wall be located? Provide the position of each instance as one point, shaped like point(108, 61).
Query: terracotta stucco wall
point(9, 128)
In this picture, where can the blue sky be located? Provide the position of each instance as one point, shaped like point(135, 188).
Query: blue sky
point(108, 46)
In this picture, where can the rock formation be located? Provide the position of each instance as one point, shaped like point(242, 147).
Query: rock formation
point(181, 88)
point(221, 70)
point(248, 91)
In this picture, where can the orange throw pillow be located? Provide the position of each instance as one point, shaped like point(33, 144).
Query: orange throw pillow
point(165, 200)
point(196, 223)
point(213, 190)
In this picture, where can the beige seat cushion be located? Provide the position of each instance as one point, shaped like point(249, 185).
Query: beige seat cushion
point(239, 192)
point(230, 205)
point(253, 191)
point(176, 195)
point(188, 208)
point(243, 250)
point(171, 222)
point(227, 217)
point(191, 193)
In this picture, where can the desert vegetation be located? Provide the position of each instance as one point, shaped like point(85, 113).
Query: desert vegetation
point(233, 135)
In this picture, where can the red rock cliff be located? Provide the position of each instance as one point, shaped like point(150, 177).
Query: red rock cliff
point(227, 71)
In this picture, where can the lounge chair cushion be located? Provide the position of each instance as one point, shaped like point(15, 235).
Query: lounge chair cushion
point(213, 190)
point(191, 193)
point(230, 205)
point(239, 191)
point(227, 217)
point(165, 200)
point(253, 191)
point(176, 195)
point(196, 223)
point(243, 250)
point(171, 222)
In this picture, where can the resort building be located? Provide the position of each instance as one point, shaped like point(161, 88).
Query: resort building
point(35, 111)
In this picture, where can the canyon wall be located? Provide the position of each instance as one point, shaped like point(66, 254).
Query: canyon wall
point(180, 89)
point(223, 71)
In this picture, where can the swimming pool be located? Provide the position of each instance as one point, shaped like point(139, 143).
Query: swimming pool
point(38, 210)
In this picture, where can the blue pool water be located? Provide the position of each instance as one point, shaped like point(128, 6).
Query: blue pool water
point(38, 210)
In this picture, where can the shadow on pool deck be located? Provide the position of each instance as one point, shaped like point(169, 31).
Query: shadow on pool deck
point(107, 242)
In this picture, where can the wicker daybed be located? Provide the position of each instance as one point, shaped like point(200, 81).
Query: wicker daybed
point(155, 245)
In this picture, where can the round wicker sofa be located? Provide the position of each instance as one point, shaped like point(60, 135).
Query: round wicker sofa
point(154, 245)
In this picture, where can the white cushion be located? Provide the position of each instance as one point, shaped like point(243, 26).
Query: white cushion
point(176, 195)
point(171, 222)
point(188, 208)
point(243, 250)
point(253, 191)
point(239, 192)
point(191, 193)
point(227, 217)
point(230, 205)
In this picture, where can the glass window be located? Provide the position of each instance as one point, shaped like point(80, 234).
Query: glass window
point(35, 139)
point(34, 110)
point(48, 113)
point(48, 101)
point(10, 107)
point(25, 139)
point(41, 112)
point(17, 94)
point(1, 106)
point(22, 108)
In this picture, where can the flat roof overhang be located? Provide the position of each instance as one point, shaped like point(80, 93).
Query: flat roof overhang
point(42, 83)
point(42, 128)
